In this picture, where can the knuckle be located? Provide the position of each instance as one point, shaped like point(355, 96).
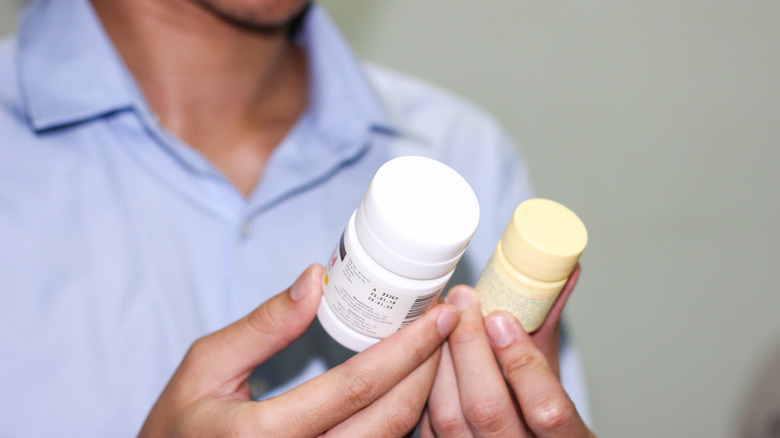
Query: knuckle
point(518, 362)
point(447, 422)
point(400, 419)
point(467, 333)
point(419, 352)
point(264, 320)
point(487, 415)
point(361, 389)
point(550, 415)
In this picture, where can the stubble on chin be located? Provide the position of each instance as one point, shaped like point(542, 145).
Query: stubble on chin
point(258, 15)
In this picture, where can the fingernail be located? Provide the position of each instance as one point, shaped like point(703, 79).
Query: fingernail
point(447, 320)
point(501, 330)
point(460, 298)
point(300, 288)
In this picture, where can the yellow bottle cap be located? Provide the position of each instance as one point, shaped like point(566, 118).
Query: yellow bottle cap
point(544, 240)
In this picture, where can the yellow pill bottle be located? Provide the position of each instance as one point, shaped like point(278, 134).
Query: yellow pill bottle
point(532, 261)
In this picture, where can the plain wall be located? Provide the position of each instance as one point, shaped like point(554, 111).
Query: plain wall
point(659, 123)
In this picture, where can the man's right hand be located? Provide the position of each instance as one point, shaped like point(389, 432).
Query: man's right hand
point(379, 392)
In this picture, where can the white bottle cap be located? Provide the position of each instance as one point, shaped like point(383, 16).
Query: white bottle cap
point(417, 217)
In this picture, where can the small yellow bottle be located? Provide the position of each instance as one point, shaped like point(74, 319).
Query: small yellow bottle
point(532, 261)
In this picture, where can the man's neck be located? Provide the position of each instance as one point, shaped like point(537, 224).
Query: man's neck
point(228, 91)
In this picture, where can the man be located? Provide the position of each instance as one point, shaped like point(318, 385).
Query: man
point(166, 166)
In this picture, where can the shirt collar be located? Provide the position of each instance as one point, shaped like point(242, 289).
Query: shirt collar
point(70, 72)
point(342, 100)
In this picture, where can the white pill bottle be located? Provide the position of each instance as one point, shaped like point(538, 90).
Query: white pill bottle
point(398, 250)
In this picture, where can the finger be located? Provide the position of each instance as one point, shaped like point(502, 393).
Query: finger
point(552, 321)
point(445, 416)
point(485, 399)
point(334, 396)
point(545, 406)
point(547, 337)
point(218, 364)
point(397, 412)
point(426, 430)
point(228, 356)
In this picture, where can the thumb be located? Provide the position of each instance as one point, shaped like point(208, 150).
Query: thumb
point(232, 353)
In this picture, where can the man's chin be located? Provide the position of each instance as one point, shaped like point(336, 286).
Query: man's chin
point(269, 16)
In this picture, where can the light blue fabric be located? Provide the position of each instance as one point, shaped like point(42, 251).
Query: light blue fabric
point(120, 245)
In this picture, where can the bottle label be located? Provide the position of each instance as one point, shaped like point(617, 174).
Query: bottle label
point(498, 290)
point(364, 304)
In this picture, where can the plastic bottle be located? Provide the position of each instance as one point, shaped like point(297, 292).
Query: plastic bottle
point(398, 250)
point(532, 261)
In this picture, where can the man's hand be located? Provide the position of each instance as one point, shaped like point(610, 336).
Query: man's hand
point(379, 392)
point(517, 395)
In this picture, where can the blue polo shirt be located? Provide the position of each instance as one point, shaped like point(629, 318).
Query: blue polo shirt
point(120, 244)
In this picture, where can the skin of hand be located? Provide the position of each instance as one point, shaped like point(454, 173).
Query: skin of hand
point(496, 380)
point(379, 392)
